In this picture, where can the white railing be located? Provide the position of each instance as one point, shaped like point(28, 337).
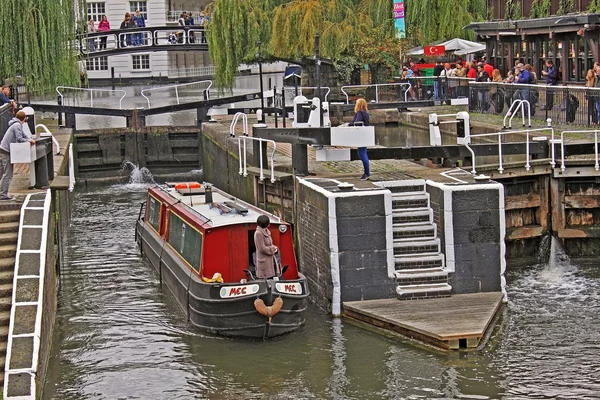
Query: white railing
point(300, 88)
point(210, 70)
point(20, 279)
point(48, 133)
point(517, 105)
point(242, 152)
point(502, 133)
point(71, 169)
point(260, 140)
point(177, 87)
point(377, 86)
point(562, 148)
point(91, 92)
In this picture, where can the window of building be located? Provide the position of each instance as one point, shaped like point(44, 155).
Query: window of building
point(96, 10)
point(141, 61)
point(154, 213)
point(185, 240)
point(97, 64)
point(139, 5)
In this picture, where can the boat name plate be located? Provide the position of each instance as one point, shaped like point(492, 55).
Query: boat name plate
point(238, 291)
point(290, 287)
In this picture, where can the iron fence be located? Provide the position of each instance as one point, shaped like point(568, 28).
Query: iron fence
point(5, 116)
point(438, 88)
point(563, 104)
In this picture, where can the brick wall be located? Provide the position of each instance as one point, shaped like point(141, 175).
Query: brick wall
point(312, 229)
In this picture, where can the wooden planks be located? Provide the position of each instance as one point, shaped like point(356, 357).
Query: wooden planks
point(443, 322)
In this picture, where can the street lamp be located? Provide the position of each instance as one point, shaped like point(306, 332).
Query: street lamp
point(262, 99)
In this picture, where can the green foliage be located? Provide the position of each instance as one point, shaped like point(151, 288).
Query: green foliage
point(513, 9)
point(438, 20)
point(594, 7)
point(540, 9)
point(36, 38)
point(565, 7)
point(345, 66)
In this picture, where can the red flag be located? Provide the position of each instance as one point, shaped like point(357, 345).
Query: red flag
point(432, 51)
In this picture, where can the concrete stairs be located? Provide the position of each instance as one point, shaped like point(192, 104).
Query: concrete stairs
point(9, 230)
point(420, 271)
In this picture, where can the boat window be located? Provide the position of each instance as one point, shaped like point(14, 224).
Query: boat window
point(186, 240)
point(153, 213)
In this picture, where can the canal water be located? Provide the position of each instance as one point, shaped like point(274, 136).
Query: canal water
point(120, 335)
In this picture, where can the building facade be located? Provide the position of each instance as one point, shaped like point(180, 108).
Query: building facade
point(571, 39)
point(161, 64)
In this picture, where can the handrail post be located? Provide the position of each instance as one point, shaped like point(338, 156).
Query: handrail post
point(377, 93)
point(177, 94)
point(500, 169)
point(596, 167)
point(562, 152)
point(527, 164)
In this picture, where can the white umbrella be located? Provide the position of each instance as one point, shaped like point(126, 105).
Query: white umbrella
point(458, 46)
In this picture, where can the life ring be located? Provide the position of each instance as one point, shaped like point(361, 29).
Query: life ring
point(268, 311)
point(188, 185)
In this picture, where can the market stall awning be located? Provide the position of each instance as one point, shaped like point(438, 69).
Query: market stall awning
point(456, 46)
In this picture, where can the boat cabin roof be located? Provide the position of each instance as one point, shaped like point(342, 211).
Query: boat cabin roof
point(222, 211)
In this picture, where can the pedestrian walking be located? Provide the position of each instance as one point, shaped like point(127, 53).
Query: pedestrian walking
point(91, 29)
point(14, 134)
point(551, 76)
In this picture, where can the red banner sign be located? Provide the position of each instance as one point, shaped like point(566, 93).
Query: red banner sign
point(432, 51)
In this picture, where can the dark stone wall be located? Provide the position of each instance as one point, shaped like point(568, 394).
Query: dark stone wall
point(476, 222)
point(312, 229)
point(361, 229)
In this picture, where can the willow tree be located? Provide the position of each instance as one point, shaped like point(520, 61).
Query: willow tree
point(287, 29)
point(438, 20)
point(36, 38)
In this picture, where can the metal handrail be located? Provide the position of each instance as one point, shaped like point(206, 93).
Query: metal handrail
point(377, 85)
point(71, 169)
point(245, 132)
point(206, 91)
point(562, 148)
point(310, 87)
point(91, 93)
point(499, 134)
point(512, 111)
point(260, 140)
point(48, 133)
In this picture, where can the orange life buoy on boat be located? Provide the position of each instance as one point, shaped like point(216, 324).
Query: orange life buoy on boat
point(188, 185)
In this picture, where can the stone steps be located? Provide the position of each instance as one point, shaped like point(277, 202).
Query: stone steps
point(426, 291)
point(414, 232)
point(422, 276)
point(9, 231)
point(419, 262)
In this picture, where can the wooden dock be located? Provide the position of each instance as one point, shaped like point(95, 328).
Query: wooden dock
point(456, 322)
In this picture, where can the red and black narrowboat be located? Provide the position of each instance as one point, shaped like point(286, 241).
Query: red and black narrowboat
point(201, 242)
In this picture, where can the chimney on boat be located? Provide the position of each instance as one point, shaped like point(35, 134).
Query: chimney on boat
point(208, 194)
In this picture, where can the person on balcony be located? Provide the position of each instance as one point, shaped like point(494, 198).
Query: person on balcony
point(127, 23)
point(103, 26)
point(139, 20)
point(91, 29)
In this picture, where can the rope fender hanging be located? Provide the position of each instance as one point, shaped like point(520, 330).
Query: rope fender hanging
point(268, 311)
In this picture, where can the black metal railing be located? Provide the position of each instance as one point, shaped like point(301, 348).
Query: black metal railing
point(5, 116)
point(563, 104)
point(442, 89)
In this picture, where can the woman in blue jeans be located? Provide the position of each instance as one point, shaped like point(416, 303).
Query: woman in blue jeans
point(361, 118)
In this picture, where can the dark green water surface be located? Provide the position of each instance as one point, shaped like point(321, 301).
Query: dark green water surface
point(119, 335)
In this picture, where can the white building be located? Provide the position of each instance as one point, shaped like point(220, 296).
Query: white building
point(150, 64)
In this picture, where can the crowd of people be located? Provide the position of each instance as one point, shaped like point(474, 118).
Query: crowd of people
point(137, 20)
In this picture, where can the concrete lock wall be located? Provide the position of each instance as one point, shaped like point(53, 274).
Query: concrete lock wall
point(472, 230)
point(343, 243)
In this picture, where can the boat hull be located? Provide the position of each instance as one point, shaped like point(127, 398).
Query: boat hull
point(226, 309)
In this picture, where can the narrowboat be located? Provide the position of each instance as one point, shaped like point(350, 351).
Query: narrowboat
point(201, 242)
